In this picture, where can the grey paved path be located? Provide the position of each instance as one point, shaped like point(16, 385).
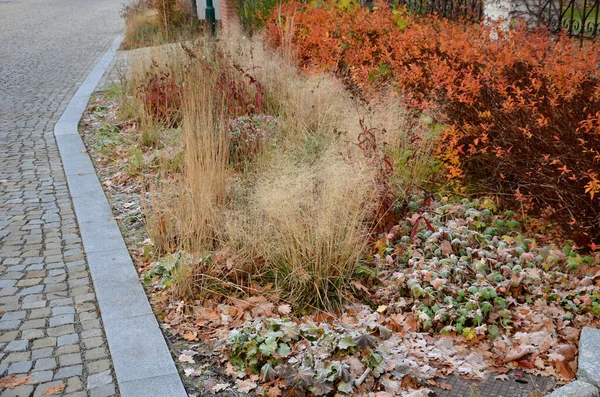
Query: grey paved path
point(50, 327)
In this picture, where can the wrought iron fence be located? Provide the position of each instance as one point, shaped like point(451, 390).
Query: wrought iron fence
point(581, 18)
point(578, 18)
point(454, 9)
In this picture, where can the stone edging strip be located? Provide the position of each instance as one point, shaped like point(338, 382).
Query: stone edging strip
point(588, 368)
point(142, 361)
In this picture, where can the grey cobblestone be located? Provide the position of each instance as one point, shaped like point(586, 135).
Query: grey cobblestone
point(41, 353)
point(68, 349)
point(104, 391)
point(14, 315)
point(98, 366)
point(67, 339)
point(43, 270)
point(41, 377)
point(95, 354)
point(67, 372)
point(21, 391)
point(19, 368)
point(41, 389)
point(4, 325)
point(30, 334)
point(69, 359)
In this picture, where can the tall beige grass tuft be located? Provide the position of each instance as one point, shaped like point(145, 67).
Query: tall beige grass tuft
point(205, 164)
point(184, 211)
point(306, 224)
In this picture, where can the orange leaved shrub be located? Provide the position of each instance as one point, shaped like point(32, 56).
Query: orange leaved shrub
point(522, 108)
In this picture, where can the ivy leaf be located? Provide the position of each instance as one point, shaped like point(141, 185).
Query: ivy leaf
point(269, 373)
point(365, 341)
point(321, 388)
point(268, 346)
point(486, 307)
point(493, 332)
point(295, 391)
point(377, 364)
point(302, 376)
point(469, 333)
point(345, 387)
point(290, 330)
point(384, 332)
point(284, 350)
point(346, 342)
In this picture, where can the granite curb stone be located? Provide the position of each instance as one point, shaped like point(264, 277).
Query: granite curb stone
point(576, 388)
point(588, 368)
point(589, 356)
point(142, 361)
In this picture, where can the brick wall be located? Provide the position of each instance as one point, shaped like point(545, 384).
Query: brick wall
point(228, 13)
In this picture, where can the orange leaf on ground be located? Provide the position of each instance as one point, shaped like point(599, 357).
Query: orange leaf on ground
point(10, 382)
point(525, 364)
point(411, 322)
point(54, 390)
point(518, 353)
point(274, 392)
point(445, 386)
point(563, 368)
point(408, 382)
point(191, 336)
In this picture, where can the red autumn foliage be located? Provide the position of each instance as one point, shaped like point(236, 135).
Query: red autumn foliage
point(161, 96)
point(522, 108)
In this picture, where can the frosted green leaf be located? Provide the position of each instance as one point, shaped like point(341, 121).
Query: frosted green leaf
point(345, 387)
point(284, 350)
point(268, 346)
point(320, 388)
point(346, 342)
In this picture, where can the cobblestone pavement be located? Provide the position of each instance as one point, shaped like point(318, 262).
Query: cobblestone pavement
point(50, 329)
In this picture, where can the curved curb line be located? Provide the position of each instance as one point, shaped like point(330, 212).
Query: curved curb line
point(142, 361)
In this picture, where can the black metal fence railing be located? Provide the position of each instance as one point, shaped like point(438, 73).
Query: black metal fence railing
point(578, 18)
point(454, 9)
point(581, 18)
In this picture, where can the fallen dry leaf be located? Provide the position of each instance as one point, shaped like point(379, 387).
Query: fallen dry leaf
point(284, 309)
point(408, 382)
point(185, 358)
point(411, 323)
point(274, 391)
point(245, 386)
point(501, 377)
point(191, 336)
point(219, 386)
point(446, 248)
point(518, 353)
point(359, 286)
point(445, 386)
point(54, 390)
point(10, 382)
point(437, 283)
